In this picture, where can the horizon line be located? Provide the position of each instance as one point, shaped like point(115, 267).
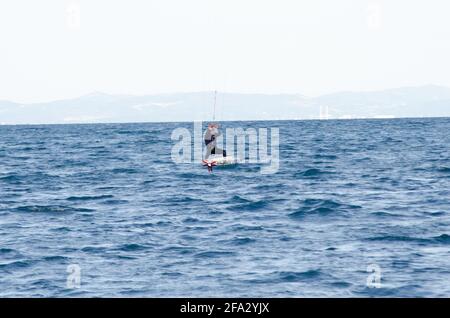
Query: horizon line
point(236, 120)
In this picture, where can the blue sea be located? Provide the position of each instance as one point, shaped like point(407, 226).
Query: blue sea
point(349, 196)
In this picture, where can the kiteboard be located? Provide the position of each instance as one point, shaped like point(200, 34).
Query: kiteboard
point(217, 160)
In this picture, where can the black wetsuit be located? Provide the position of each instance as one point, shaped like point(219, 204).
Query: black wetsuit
point(210, 137)
point(213, 150)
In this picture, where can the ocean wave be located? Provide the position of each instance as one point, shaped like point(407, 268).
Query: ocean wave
point(320, 207)
point(89, 197)
point(444, 239)
point(326, 157)
point(242, 241)
point(15, 265)
point(62, 229)
point(386, 214)
point(245, 228)
point(238, 241)
point(444, 170)
point(131, 247)
point(124, 171)
point(214, 254)
point(191, 220)
point(238, 199)
point(311, 173)
point(12, 178)
point(182, 250)
point(115, 202)
point(94, 249)
point(437, 213)
point(441, 239)
point(279, 277)
point(7, 250)
point(249, 206)
point(50, 209)
point(191, 175)
point(55, 258)
point(398, 238)
point(298, 276)
point(269, 187)
point(340, 284)
point(183, 199)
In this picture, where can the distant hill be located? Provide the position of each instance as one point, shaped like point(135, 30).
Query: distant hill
point(424, 101)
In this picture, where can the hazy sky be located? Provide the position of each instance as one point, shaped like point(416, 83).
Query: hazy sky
point(51, 49)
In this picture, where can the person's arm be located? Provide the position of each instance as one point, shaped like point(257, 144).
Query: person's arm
point(207, 135)
point(216, 129)
point(218, 133)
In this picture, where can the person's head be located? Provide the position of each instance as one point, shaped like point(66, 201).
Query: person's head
point(212, 126)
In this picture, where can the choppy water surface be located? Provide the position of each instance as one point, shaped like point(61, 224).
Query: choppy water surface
point(108, 198)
